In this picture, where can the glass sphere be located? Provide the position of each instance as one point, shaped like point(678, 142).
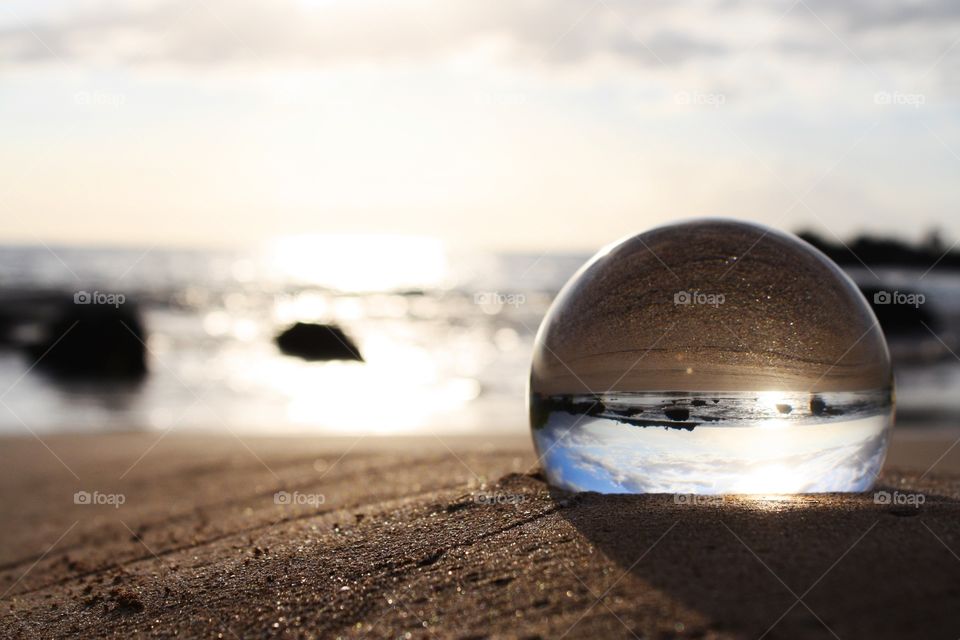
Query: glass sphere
point(708, 357)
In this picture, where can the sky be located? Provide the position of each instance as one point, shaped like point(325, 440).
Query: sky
point(507, 124)
point(768, 457)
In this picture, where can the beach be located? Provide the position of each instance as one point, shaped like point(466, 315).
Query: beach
point(521, 320)
point(226, 487)
point(214, 536)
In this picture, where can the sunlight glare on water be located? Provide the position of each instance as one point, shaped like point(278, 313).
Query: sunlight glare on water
point(359, 263)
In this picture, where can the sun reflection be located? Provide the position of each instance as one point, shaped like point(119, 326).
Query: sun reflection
point(771, 399)
point(400, 387)
point(774, 402)
point(358, 262)
point(775, 501)
point(359, 282)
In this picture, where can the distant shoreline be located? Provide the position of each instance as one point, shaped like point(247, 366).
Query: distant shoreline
point(875, 251)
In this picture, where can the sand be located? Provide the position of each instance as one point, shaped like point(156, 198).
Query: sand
point(454, 538)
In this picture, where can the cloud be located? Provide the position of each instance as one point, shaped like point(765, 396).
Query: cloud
point(526, 32)
point(859, 15)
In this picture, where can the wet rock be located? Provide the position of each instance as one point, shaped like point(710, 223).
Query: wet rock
point(318, 342)
point(93, 342)
point(677, 413)
point(784, 408)
point(818, 406)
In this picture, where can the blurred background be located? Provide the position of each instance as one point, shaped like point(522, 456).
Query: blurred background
point(348, 217)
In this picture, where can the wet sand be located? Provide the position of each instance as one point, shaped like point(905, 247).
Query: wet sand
point(454, 538)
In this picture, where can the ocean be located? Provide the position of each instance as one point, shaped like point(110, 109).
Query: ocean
point(445, 333)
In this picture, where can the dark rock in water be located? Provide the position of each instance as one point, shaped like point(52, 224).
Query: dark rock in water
point(541, 407)
point(318, 342)
point(817, 406)
point(716, 401)
point(677, 413)
point(7, 327)
point(698, 402)
point(25, 316)
point(93, 342)
point(784, 408)
point(901, 313)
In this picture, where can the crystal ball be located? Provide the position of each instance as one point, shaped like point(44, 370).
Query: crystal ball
point(711, 357)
